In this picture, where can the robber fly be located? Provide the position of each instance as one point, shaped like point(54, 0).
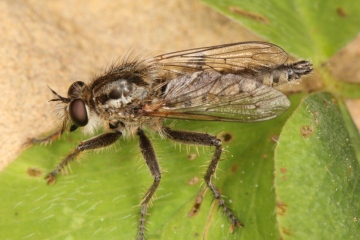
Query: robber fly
point(230, 82)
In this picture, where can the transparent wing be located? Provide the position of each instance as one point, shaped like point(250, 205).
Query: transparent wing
point(219, 97)
point(227, 58)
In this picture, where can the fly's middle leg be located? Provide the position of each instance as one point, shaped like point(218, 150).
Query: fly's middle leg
point(206, 140)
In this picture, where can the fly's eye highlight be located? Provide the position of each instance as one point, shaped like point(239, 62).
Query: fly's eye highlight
point(74, 88)
point(78, 113)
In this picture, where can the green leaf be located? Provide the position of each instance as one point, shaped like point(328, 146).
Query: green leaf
point(316, 29)
point(99, 198)
point(317, 174)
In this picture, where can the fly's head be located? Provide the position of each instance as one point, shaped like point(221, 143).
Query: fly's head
point(76, 107)
point(114, 98)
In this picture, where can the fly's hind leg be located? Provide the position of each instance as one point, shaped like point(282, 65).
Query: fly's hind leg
point(206, 140)
point(148, 153)
point(100, 141)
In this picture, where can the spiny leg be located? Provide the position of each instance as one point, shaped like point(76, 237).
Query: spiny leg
point(206, 140)
point(100, 141)
point(148, 153)
point(49, 138)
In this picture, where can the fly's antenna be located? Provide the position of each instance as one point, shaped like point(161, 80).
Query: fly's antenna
point(59, 98)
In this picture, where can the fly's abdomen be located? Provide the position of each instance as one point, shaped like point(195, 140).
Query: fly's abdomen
point(284, 73)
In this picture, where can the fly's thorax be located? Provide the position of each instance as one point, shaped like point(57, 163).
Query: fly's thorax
point(119, 99)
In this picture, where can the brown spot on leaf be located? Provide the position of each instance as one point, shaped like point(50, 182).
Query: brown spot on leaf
point(192, 156)
point(316, 121)
point(193, 181)
point(341, 12)
point(281, 208)
point(197, 204)
point(286, 231)
point(234, 168)
point(315, 114)
point(34, 172)
point(251, 15)
point(225, 137)
point(306, 131)
point(275, 138)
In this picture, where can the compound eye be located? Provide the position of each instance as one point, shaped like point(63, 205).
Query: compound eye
point(74, 88)
point(78, 113)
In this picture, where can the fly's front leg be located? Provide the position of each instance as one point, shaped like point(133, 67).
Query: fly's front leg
point(206, 140)
point(100, 141)
point(51, 137)
point(148, 153)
